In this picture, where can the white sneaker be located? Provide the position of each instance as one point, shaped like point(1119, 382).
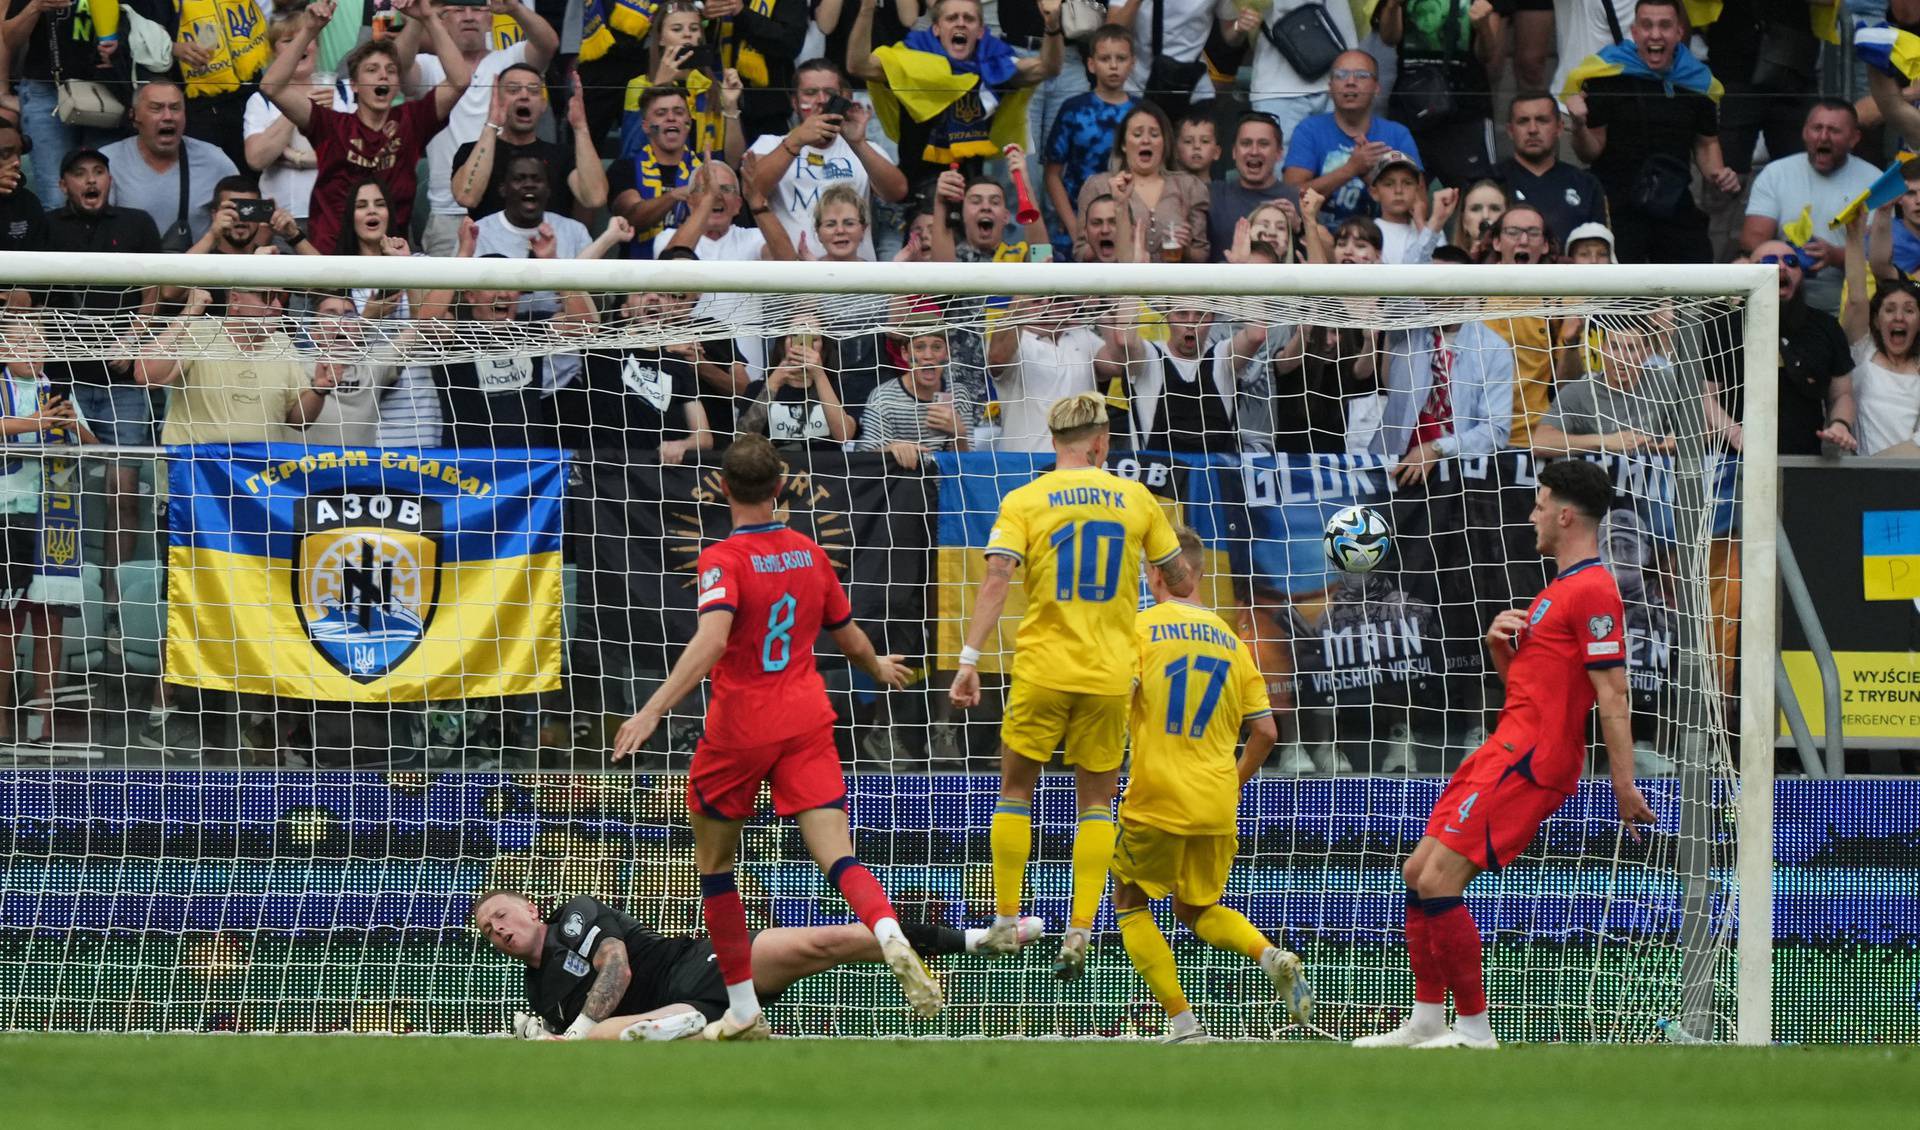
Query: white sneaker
point(1405, 1036)
point(923, 993)
point(1190, 1036)
point(1328, 761)
point(727, 1028)
point(1290, 981)
point(1454, 1038)
point(1293, 762)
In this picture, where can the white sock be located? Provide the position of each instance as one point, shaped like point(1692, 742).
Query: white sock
point(1475, 1027)
point(743, 1002)
point(1182, 1024)
point(886, 930)
point(1083, 931)
point(1012, 920)
point(1429, 1017)
point(974, 934)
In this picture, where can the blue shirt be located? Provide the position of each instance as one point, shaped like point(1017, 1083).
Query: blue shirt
point(1906, 249)
point(1082, 139)
point(1320, 146)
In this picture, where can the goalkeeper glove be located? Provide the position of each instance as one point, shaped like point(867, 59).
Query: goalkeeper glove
point(528, 1026)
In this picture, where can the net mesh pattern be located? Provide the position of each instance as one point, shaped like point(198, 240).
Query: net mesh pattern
point(286, 738)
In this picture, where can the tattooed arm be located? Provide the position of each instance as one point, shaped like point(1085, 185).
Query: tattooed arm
point(611, 976)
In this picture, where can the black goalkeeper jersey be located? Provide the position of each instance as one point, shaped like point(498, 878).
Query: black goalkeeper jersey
point(557, 987)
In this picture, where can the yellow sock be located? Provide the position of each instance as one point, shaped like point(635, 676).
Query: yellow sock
point(1229, 930)
point(1093, 840)
point(1147, 948)
point(1012, 840)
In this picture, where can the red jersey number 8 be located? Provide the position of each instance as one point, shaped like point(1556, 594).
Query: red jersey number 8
point(777, 651)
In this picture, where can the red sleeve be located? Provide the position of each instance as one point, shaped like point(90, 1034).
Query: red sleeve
point(719, 580)
point(838, 611)
point(1601, 624)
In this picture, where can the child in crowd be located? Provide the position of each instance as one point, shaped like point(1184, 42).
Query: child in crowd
point(1198, 146)
point(1082, 135)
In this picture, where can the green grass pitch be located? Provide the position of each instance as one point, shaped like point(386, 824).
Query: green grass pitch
point(285, 1083)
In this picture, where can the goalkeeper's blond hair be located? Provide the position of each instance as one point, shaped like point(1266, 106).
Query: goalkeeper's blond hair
point(1074, 418)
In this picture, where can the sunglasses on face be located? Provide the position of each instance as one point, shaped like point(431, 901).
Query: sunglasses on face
point(1790, 259)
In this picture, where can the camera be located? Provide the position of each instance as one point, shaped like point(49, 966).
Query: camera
point(837, 105)
point(253, 211)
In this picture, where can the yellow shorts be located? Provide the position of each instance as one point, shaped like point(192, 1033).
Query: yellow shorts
point(1093, 726)
point(1192, 868)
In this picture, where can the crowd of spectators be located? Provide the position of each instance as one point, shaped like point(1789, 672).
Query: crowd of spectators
point(1179, 131)
point(1145, 131)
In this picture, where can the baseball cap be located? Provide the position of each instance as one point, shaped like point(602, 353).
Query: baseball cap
point(1393, 159)
point(75, 156)
point(1594, 231)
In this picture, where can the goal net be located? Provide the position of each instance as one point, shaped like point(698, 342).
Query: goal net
point(338, 634)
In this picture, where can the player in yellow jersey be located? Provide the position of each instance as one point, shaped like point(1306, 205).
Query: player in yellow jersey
point(1079, 533)
point(1198, 686)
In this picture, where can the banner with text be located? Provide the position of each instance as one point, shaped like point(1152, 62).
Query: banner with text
point(364, 575)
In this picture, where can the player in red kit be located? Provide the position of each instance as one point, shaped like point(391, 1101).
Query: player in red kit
point(1560, 658)
point(765, 593)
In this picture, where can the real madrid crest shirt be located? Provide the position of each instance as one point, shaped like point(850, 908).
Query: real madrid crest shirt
point(1575, 625)
point(557, 987)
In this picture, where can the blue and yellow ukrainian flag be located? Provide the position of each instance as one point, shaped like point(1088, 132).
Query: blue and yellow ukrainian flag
point(364, 575)
point(1886, 188)
point(1686, 72)
point(1890, 554)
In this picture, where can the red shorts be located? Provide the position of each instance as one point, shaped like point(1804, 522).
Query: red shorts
point(804, 771)
point(1492, 808)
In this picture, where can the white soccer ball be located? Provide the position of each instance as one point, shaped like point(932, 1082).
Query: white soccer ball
point(1358, 539)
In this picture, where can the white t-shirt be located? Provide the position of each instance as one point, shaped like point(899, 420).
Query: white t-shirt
point(1273, 76)
point(1783, 190)
point(1048, 369)
point(464, 124)
point(1887, 403)
point(806, 177)
point(1183, 35)
point(1580, 29)
point(496, 236)
point(738, 245)
point(283, 184)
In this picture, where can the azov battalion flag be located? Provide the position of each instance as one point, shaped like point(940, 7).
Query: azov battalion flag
point(364, 575)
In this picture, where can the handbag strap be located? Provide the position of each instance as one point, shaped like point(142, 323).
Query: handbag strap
point(1613, 21)
point(186, 161)
point(53, 47)
point(1159, 25)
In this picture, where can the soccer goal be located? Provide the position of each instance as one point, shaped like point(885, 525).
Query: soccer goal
point(363, 631)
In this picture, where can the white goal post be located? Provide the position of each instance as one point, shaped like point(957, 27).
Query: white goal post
point(1435, 295)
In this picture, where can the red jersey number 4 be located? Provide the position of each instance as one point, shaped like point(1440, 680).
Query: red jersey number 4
point(1575, 625)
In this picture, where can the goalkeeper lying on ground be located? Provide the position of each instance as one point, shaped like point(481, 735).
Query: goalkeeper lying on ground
point(594, 973)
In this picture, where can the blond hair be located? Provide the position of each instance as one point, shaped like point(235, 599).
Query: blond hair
point(839, 194)
point(1074, 418)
